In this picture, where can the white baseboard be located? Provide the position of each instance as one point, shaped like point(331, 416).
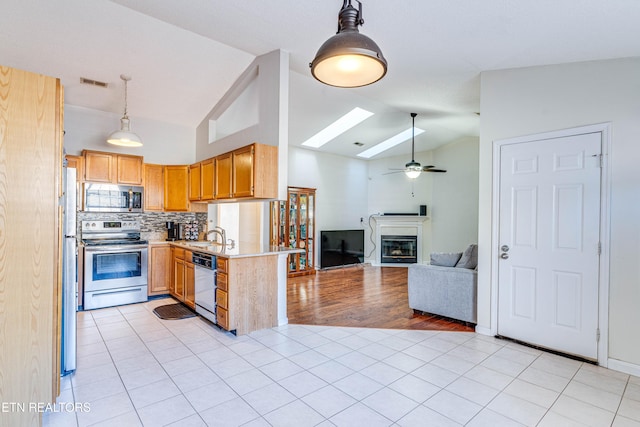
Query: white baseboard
point(484, 331)
point(626, 367)
point(284, 321)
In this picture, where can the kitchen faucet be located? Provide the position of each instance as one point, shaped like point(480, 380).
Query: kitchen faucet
point(220, 232)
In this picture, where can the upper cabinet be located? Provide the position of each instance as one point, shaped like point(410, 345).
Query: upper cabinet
point(223, 179)
point(207, 178)
point(153, 187)
point(129, 169)
point(76, 162)
point(195, 175)
point(255, 171)
point(248, 172)
point(201, 181)
point(176, 188)
point(112, 168)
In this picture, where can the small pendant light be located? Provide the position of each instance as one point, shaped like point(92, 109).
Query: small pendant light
point(124, 137)
point(349, 59)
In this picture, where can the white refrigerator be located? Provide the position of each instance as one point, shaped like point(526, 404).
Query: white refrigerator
point(69, 274)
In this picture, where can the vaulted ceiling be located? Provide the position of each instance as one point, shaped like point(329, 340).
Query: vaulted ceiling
point(184, 55)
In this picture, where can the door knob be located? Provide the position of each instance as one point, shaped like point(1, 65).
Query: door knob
point(504, 248)
point(504, 255)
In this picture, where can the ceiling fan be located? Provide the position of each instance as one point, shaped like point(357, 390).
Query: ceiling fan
point(413, 169)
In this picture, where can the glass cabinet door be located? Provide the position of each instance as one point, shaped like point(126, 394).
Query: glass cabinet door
point(293, 223)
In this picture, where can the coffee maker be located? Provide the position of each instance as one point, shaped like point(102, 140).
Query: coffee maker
point(172, 230)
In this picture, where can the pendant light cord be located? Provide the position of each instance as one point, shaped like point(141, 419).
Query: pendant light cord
point(413, 135)
point(126, 80)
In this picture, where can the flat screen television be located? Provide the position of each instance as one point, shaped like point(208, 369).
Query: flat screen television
point(341, 247)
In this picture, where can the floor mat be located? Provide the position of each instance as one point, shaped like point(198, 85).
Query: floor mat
point(173, 312)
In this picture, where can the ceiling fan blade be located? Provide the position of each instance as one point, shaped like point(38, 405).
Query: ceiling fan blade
point(395, 171)
point(427, 167)
point(434, 170)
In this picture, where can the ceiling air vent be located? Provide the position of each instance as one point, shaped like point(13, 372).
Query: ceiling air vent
point(86, 81)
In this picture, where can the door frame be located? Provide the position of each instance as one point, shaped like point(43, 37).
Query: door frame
point(605, 191)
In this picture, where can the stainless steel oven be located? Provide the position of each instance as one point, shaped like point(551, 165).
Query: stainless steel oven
point(115, 264)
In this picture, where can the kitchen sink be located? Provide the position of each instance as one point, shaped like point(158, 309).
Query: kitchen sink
point(201, 244)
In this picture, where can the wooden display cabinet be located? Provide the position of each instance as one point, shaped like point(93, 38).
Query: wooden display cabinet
point(293, 226)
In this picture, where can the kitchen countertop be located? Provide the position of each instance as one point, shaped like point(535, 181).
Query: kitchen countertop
point(240, 250)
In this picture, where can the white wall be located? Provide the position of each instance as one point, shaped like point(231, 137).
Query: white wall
point(454, 196)
point(163, 143)
point(540, 99)
point(340, 184)
point(395, 193)
point(349, 189)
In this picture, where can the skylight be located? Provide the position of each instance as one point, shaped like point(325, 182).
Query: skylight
point(389, 143)
point(338, 127)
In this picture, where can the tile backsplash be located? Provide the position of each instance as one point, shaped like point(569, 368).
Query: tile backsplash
point(152, 224)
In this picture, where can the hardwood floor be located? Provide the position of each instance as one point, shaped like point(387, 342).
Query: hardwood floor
point(359, 296)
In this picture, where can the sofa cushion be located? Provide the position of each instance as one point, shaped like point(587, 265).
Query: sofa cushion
point(445, 259)
point(469, 257)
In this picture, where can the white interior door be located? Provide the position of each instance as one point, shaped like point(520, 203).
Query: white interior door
point(549, 243)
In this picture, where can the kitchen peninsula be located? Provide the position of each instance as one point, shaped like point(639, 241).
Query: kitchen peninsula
point(251, 282)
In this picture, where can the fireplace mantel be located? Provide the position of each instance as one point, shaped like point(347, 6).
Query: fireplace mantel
point(398, 224)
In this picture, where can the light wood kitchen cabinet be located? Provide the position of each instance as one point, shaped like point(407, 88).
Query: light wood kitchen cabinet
point(153, 187)
point(31, 119)
point(201, 181)
point(207, 179)
point(183, 286)
point(129, 169)
point(255, 171)
point(177, 272)
point(98, 166)
point(195, 177)
point(248, 172)
point(159, 271)
point(189, 283)
point(223, 177)
point(76, 162)
point(247, 293)
point(176, 188)
point(113, 168)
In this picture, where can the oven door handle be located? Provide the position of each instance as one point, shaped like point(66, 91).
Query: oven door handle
point(117, 248)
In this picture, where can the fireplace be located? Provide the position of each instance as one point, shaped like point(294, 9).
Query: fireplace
point(395, 249)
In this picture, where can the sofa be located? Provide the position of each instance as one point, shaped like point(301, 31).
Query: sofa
point(447, 286)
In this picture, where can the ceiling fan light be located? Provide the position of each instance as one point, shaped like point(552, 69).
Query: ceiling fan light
point(413, 172)
point(349, 59)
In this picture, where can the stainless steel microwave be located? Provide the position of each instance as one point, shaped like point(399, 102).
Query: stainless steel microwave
point(112, 198)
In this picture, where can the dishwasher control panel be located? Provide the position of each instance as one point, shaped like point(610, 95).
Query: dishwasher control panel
point(204, 260)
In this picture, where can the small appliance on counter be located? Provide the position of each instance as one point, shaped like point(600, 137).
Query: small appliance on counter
point(173, 231)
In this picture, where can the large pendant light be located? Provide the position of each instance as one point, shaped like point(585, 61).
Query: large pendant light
point(124, 137)
point(349, 59)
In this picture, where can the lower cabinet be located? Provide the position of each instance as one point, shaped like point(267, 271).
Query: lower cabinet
point(183, 279)
point(159, 270)
point(247, 293)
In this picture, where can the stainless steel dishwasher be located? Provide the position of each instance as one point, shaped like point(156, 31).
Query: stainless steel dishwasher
point(205, 284)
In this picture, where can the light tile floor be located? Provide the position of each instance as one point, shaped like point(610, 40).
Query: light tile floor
point(135, 369)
